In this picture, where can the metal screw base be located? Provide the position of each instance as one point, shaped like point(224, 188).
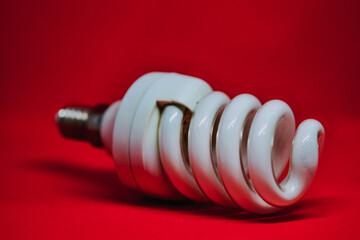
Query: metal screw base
point(81, 123)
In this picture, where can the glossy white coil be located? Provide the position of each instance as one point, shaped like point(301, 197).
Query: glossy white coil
point(172, 136)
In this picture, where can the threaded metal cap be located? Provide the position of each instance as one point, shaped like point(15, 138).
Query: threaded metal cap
point(81, 122)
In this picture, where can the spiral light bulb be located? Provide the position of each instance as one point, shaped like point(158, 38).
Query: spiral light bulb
point(173, 136)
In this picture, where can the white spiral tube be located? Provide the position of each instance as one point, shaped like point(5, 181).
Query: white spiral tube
point(172, 136)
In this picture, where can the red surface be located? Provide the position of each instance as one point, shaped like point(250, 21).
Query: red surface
point(57, 52)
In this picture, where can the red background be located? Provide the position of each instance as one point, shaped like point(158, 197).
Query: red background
point(58, 52)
